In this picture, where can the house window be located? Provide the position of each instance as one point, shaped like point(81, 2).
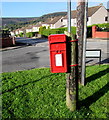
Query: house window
point(106, 18)
point(61, 20)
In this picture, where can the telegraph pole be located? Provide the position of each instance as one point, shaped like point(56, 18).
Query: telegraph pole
point(71, 77)
point(84, 45)
point(69, 15)
point(81, 36)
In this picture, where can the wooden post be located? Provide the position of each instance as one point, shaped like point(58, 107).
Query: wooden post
point(72, 76)
point(80, 36)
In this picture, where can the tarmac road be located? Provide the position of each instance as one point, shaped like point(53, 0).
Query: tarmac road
point(26, 57)
point(37, 55)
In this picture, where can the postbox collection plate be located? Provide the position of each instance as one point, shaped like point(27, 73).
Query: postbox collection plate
point(58, 60)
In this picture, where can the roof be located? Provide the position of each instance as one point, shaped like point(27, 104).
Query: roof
point(29, 27)
point(23, 28)
point(37, 25)
point(52, 20)
point(91, 11)
point(17, 29)
point(47, 21)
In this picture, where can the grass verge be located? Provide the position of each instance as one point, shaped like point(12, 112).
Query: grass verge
point(37, 93)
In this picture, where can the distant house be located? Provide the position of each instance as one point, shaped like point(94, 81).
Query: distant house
point(36, 27)
point(96, 15)
point(54, 22)
point(57, 22)
point(16, 31)
point(29, 29)
point(46, 23)
point(21, 30)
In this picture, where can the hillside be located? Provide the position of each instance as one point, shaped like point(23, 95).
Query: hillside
point(14, 23)
point(8, 21)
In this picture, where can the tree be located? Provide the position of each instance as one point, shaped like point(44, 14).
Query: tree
point(41, 29)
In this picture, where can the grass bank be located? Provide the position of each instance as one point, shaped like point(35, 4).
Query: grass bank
point(37, 93)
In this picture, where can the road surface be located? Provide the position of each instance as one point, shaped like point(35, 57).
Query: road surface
point(37, 55)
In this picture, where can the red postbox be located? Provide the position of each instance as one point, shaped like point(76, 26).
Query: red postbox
point(58, 53)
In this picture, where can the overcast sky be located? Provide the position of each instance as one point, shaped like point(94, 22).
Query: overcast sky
point(36, 9)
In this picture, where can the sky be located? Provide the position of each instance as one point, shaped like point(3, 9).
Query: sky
point(37, 9)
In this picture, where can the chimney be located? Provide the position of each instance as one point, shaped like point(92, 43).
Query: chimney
point(101, 4)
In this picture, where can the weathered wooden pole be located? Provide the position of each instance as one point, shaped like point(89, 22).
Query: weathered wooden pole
point(81, 36)
point(71, 77)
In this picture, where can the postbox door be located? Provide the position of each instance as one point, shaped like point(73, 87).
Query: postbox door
point(58, 62)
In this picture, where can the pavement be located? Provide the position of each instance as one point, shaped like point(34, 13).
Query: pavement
point(99, 44)
point(34, 53)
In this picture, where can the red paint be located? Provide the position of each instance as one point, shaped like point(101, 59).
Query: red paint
point(99, 34)
point(7, 42)
point(73, 40)
point(73, 65)
point(58, 48)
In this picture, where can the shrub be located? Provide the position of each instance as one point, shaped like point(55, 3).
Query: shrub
point(21, 34)
point(41, 29)
point(89, 31)
point(73, 30)
point(30, 34)
point(103, 27)
point(48, 32)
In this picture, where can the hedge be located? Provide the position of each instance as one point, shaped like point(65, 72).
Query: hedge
point(89, 31)
point(101, 27)
point(21, 34)
point(48, 32)
point(104, 25)
point(30, 34)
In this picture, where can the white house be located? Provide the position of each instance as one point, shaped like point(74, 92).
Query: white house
point(29, 29)
point(36, 27)
point(16, 31)
point(46, 23)
point(53, 22)
point(56, 22)
point(96, 15)
point(20, 30)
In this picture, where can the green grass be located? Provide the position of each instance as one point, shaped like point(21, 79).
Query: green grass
point(37, 93)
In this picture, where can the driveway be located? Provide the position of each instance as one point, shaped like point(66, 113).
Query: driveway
point(37, 54)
